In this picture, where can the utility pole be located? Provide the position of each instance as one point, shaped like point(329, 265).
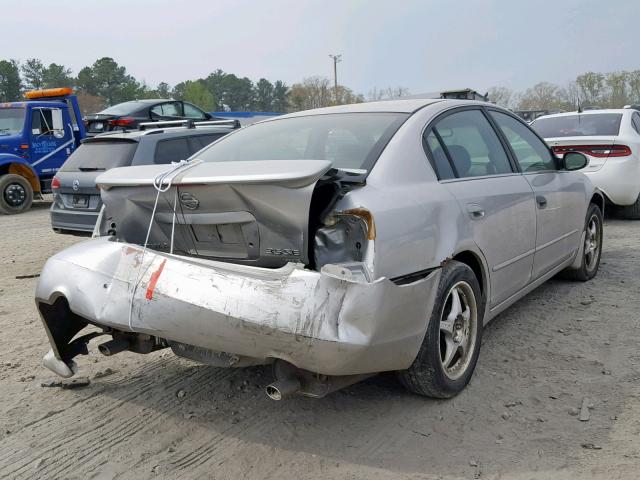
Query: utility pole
point(336, 59)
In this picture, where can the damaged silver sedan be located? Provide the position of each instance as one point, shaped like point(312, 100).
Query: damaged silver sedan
point(334, 244)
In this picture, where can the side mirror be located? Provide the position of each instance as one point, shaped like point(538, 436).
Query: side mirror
point(207, 116)
point(574, 161)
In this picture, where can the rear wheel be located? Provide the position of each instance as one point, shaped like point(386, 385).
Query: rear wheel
point(592, 248)
point(631, 211)
point(16, 194)
point(450, 349)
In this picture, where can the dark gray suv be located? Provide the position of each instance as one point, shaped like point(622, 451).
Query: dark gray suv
point(76, 199)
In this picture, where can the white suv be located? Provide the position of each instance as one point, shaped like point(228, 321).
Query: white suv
point(611, 140)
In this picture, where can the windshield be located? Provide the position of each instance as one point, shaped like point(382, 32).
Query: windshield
point(591, 124)
point(100, 156)
point(125, 108)
point(11, 120)
point(349, 140)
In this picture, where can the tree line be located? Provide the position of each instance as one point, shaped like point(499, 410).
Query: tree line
point(590, 89)
point(106, 83)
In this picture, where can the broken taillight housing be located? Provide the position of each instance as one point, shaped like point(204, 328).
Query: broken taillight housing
point(345, 237)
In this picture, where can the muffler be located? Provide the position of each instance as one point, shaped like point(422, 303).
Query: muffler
point(113, 346)
point(283, 388)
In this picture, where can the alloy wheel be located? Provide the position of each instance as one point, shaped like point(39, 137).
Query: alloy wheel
point(458, 327)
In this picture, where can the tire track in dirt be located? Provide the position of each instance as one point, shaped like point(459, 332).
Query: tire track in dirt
point(98, 426)
point(127, 426)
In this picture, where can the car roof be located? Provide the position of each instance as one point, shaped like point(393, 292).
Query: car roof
point(396, 106)
point(156, 133)
point(586, 112)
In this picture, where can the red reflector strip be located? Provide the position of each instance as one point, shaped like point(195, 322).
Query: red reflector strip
point(154, 279)
point(600, 151)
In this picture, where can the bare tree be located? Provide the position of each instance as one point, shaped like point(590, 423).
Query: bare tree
point(502, 96)
point(592, 87)
point(386, 93)
point(542, 96)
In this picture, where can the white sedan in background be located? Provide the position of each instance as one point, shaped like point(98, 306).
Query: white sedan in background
point(611, 140)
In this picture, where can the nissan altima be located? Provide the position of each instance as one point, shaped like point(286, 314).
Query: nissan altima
point(332, 244)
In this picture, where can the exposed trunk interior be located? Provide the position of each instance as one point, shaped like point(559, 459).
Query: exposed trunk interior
point(268, 217)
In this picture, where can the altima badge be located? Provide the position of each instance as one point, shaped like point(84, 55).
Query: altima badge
point(189, 201)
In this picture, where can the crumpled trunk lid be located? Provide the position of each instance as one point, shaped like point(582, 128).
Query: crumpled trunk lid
point(251, 212)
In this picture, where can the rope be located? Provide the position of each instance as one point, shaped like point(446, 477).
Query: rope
point(162, 183)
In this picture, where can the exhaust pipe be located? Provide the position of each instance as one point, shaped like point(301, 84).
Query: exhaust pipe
point(113, 346)
point(283, 388)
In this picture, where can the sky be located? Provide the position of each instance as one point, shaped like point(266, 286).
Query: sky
point(425, 46)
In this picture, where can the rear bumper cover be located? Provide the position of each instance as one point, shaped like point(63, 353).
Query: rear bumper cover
point(81, 221)
point(618, 179)
point(330, 322)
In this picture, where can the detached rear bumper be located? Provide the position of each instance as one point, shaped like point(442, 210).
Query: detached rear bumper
point(331, 322)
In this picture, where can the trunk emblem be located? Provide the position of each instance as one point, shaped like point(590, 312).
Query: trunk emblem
point(189, 201)
point(76, 184)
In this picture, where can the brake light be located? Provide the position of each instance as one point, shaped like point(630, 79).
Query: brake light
point(600, 151)
point(55, 183)
point(121, 122)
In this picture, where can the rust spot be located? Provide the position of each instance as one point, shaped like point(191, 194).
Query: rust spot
point(367, 216)
point(154, 279)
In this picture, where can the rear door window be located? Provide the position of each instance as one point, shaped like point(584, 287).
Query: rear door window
point(168, 109)
point(471, 144)
point(531, 153)
point(635, 122)
point(100, 156)
point(192, 112)
point(173, 150)
point(198, 142)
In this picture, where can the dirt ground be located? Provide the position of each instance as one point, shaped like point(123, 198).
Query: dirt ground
point(157, 416)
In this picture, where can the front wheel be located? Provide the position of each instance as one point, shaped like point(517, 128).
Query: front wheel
point(592, 248)
point(450, 349)
point(16, 194)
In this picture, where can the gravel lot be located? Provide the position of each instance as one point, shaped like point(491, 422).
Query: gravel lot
point(158, 416)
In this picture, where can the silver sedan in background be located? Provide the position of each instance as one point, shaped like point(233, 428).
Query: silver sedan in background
point(334, 244)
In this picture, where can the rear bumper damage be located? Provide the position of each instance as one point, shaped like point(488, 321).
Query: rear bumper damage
point(333, 322)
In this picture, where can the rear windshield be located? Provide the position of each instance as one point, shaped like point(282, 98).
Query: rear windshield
point(100, 156)
point(592, 124)
point(349, 140)
point(125, 108)
point(11, 121)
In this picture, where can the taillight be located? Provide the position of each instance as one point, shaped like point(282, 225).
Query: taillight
point(121, 122)
point(600, 151)
point(55, 183)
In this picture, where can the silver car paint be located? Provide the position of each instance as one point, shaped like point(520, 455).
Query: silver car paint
point(420, 223)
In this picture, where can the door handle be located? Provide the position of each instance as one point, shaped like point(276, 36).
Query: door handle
point(475, 211)
point(541, 201)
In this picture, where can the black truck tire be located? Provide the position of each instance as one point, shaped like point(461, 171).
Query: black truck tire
point(16, 194)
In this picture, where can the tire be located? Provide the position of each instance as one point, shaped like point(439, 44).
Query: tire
point(631, 212)
point(590, 261)
point(16, 194)
point(432, 374)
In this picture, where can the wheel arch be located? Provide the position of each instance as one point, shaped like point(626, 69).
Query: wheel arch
point(17, 166)
point(599, 199)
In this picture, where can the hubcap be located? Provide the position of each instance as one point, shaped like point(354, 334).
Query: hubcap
point(592, 242)
point(15, 194)
point(458, 327)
